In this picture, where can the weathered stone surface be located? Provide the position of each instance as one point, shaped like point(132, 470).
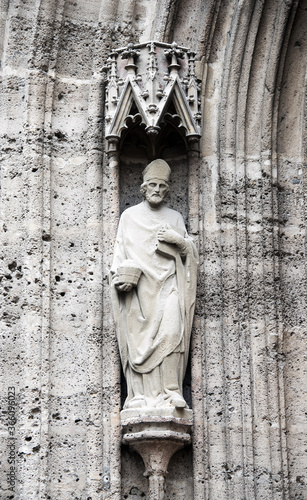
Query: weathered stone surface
point(58, 345)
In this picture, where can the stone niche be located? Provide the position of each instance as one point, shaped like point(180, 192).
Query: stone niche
point(152, 111)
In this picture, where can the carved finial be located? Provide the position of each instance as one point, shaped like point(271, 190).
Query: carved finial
point(151, 47)
point(174, 53)
point(152, 62)
point(192, 87)
point(112, 66)
point(191, 60)
point(112, 90)
point(152, 83)
point(131, 54)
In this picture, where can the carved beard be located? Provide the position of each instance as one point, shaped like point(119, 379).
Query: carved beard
point(154, 198)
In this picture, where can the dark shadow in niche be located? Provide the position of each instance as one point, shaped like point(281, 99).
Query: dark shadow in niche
point(187, 390)
point(123, 387)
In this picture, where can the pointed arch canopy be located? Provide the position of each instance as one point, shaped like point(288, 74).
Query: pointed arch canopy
point(156, 76)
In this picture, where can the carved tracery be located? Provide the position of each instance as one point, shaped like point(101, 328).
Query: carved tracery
point(150, 85)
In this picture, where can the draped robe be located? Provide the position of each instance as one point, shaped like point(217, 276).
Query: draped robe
point(154, 319)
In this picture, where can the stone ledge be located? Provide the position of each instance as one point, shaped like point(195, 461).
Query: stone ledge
point(141, 415)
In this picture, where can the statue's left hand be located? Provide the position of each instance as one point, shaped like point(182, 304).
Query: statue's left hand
point(167, 234)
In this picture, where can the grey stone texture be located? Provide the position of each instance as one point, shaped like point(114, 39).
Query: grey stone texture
point(58, 189)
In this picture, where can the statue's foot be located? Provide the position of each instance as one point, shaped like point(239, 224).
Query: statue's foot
point(136, 402)
point(178, 401)
point(175, 399)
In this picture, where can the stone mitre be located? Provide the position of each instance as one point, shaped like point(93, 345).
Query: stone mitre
point(157, 169)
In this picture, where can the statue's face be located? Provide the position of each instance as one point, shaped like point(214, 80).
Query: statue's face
point(156, 190)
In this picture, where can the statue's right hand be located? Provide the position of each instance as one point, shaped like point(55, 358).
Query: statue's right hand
point(123, 287)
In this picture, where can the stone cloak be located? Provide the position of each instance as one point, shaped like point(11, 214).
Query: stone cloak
point(155, 318)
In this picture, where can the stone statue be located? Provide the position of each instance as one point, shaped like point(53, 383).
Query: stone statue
point(153, 282)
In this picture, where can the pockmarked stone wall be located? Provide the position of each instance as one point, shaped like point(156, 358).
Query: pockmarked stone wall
point(60, 371)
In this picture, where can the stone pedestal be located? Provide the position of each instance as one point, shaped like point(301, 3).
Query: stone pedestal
point(156, 436)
